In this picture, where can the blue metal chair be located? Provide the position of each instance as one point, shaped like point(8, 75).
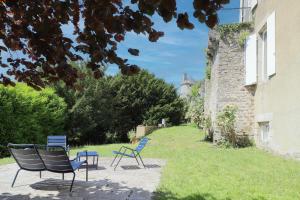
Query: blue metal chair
point(58, 140)
point(134, 153)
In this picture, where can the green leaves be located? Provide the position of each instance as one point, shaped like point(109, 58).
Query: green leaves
point(118, 104)
point(28, 116)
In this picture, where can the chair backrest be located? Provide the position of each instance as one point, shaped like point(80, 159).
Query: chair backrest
point(54, 158)
point(142, 144)
point(57, 140)
point(26, 157)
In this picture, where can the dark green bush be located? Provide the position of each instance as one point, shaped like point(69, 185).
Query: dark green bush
point(108, 108)
point(243, 141)
point(28, 116)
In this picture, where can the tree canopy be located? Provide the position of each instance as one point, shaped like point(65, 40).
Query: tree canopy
point(112, 106)
point(34, 31)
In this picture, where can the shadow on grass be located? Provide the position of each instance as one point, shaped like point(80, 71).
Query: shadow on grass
point(202, 196)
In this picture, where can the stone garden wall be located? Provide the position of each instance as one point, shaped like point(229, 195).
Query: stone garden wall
point(227, 84)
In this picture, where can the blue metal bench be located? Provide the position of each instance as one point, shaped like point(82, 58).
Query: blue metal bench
point(58, 140)
point(134, 153)
point(40, 158)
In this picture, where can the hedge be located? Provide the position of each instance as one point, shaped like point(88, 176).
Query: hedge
point(28, 116)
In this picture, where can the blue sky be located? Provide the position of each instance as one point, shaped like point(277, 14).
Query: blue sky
point(178, 51)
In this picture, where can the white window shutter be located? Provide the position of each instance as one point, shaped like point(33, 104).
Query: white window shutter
point(253, 3)
point(251, 60)
point(271, 67)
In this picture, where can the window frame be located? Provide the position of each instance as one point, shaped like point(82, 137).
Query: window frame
point(264, 129)
point(264, 53)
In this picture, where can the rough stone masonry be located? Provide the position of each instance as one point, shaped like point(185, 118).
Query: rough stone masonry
point(227, 84)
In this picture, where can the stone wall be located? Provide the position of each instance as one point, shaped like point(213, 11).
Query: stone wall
point(142, 131)
point(227, 84)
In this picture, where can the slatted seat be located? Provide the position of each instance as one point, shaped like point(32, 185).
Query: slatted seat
point(58, 140)
point(135, 153)
point(27, 158)
point(31, 157)
point(56, 160)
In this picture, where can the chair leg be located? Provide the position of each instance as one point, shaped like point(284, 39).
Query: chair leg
point(97, 162)
point(63, 176)
point(13, 183)
point(136, 160)
point(114, 160)
point(141, 160)
point(118, 162)
point(79, 161)
point(87, 171)
point(40, 174)
point(72, 181)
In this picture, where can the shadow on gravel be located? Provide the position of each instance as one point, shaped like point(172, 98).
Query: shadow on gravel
point(103, 189)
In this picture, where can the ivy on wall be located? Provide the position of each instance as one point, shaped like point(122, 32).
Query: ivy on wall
point(229, 30)
point(209, 58)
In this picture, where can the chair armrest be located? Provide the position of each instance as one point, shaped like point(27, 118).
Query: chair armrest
point(129, 148)
point(121, 148)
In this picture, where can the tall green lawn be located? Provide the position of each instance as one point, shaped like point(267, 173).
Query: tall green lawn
point(197, 170)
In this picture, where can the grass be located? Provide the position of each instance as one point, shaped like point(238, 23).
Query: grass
point(197, 170)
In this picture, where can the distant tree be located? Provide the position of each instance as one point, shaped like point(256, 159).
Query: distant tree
point(112, 106)
point(34, 31)
point(145, 99)
point(195, 106)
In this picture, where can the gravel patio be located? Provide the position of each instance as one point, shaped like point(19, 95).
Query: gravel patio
point(129, 181)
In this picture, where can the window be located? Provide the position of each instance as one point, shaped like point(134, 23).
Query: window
point(264, 56)
point(264, 131)
point(267, 52)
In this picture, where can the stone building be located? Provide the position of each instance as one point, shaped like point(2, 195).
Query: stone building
point(185, 86)
point(263, 77)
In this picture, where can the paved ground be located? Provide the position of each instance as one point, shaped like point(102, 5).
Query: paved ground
point(128, 182)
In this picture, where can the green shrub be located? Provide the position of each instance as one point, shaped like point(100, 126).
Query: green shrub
point(243, 141)
point(225, 121)
point(208, 128)
point(243, 37)
point(195, 106)
point(195, 112)
point(131, 135)
point(111, 138)
point(28, 116)
point(208, 72)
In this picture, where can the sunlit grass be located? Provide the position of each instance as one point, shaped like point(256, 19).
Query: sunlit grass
point(197, 170)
